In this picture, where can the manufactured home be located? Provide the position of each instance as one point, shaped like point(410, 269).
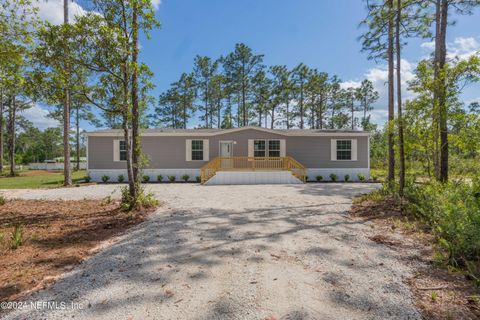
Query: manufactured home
point(246, 155)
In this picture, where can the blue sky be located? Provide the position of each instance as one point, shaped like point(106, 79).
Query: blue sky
point(320, 33)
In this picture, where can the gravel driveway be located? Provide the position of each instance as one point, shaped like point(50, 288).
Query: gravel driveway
point(235, 252)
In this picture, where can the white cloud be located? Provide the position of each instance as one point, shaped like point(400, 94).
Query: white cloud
point(350, 84)
point(156, 4)
point(52, 10)
point(461, 48)
point(39, 117)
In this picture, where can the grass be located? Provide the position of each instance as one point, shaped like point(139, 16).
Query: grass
point(32, 179)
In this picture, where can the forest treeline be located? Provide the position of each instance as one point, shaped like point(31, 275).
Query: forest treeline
point(238, 90)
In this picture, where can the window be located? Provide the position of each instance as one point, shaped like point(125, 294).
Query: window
point(344, 149)
point(122, 149)
point(259, 148)
point(197, 149)
point(274, 148)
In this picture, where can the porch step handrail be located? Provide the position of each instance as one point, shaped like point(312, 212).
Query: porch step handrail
point(252, 164)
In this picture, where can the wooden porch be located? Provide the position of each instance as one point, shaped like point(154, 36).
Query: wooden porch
point(253, 164)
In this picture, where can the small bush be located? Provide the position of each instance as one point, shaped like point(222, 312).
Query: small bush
point(346, 177)
point(374, 177)
point(108, 199)
point(361, 177)
point(17, 237)
point(319, 178)
point(87, 179)
point(144, 200)
point(146, 178)
point(171, 178)
point(185, 177)
point(333, 177)
point(105, 178)
point(3, 200)
point(121, 178)
point(198, 179)
point(159, 178)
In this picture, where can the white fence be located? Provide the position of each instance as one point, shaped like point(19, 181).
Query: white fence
point(54, 166)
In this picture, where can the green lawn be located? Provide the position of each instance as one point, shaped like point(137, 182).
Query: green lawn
point(32, 179)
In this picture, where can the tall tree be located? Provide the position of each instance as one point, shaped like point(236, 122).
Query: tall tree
point(240, 67)
point(378, 41)
point(282, 88)
point(67, 172)
point(262, 88)
point(204, 71)
point(367, 96)
point(300, 76)
point(185, 87)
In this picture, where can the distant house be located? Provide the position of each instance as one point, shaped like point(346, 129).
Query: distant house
point(246, 155)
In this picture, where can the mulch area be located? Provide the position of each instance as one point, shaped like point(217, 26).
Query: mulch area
point(56, 236)
point(439, 292)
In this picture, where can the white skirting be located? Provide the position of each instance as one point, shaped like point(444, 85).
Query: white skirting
point(97, 174)
point(257, 177)
point(312, 173)
point(227, 177)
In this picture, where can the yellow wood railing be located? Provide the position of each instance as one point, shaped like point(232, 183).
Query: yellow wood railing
point(252, 164)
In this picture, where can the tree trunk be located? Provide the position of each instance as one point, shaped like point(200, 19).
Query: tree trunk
point(288, 113)
point(126, 133)
point(440, 41)
point(272, 118)
point(136, 143)
point(77, 138)
point(301, 105)
point(391, 152)
point(11, 135)
point(353, 115)
point(1, 132)
point(67, 173)
point(244, 107)
point(401, 150)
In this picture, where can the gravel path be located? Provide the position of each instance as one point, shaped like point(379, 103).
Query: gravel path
point(235, 252)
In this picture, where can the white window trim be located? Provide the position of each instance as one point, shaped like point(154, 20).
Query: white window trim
point(188, 150)
point(251, 147)
point(266, 147)
point(353, 151)
point(116, 150)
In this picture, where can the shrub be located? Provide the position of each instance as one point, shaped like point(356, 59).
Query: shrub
point(198, 179)
point(319, 178)
point(374, 177)
point(146, 178)
point(333, 177)
point(3, 200)
point(121, 178)
point(159, 178)
point(361, 177)
point(185, 177)
point(171, 178)
point(87, 179)
point(17, 237)
point(144, 200)
point(105, 178)
point(346, 177)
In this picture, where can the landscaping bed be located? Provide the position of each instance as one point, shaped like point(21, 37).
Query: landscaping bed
point(40, 240)
point(440, 291)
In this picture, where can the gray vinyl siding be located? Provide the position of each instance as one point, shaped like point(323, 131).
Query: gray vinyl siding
point(168, 152)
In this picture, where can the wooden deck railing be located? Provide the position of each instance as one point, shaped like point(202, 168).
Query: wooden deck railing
point(252, 164)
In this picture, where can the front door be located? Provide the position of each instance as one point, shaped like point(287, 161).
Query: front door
point(226, 151)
